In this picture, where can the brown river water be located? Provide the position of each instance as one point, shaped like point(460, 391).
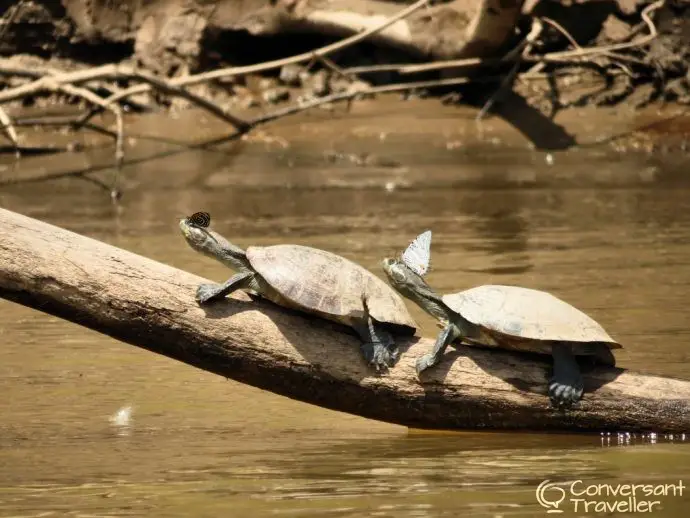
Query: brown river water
point(608, 231)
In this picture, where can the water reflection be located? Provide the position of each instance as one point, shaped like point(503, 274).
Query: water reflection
point(308, 474)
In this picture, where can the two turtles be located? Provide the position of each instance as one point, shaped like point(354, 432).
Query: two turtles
point(329, 286)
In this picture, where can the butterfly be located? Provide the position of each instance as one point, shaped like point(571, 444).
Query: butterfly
point(200, 219)
point(416, 257)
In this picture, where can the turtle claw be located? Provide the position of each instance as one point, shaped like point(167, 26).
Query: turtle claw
point(424, 362)
point(564, 393)
point(380, 356)
point(566, 385)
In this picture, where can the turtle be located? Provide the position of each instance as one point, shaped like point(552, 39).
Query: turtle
point(507, 317)
point(310, 280)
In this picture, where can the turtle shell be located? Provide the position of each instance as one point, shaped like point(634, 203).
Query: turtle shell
point(512, 317)
point(327, 284)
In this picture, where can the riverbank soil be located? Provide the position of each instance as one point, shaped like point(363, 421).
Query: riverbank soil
point(573, 54)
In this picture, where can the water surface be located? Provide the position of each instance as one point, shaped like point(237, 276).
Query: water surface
point(609, 232)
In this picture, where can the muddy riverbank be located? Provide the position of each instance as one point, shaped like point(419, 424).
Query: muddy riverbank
point(635, 50)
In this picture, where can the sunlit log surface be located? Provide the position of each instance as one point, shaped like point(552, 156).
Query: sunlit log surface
point(151, 305)
point(461, 28)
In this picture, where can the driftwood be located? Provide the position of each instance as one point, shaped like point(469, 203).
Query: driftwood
point(151, 305)
point(450, 30)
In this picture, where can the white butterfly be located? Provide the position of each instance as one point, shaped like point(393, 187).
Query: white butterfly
point(418, 254)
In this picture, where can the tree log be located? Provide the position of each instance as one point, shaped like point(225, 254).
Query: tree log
point(151, 305)
point(462, 28)
point(169, 34)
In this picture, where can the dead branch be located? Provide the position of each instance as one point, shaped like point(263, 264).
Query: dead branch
point(170, 88)
point(65, 82)
point(53, 120)
point(98, 101)
point(55, 84)
point(9, 129)
point(589, 51)
point(357, 92)
point(115, 73)
point(561, 29)
point(551, 57)
point(255, 342)
point(330, 64)
point(8, 67)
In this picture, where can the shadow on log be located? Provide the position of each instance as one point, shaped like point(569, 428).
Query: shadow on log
point(151, 305)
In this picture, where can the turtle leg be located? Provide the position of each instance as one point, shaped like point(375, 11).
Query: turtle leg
point(566, 385)
point(378, 347)
point(209, 292)
point(445, 337)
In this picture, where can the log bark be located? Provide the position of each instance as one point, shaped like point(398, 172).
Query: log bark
point(151, 305)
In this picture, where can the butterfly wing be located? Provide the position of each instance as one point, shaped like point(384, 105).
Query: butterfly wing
point(418, 254)
point(200, 219)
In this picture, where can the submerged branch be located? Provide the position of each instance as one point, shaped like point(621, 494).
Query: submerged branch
point(355, 92)
point(90, 283)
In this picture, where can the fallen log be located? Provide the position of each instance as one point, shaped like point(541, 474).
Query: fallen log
point(461, 28)
point(172, 34)
point(151, 305)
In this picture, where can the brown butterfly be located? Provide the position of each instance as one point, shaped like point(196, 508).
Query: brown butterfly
point(200, 219)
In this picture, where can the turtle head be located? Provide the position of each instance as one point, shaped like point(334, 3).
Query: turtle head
point(198, 237)
point(411, 285)
point(403, 278)
point(406, 273)
point(205, 241)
